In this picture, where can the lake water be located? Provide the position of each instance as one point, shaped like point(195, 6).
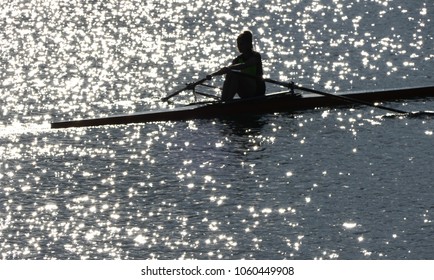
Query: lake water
point(323, 184)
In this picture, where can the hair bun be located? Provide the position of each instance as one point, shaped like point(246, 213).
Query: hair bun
point(246, 36)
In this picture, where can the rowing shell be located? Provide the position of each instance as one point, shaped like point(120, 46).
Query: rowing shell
point(271, 103)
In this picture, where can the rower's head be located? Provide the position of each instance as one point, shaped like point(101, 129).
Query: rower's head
point(245, 42)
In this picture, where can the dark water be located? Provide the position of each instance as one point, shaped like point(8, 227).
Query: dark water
point(331, 184)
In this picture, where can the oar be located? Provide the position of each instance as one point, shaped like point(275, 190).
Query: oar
point(189, 86)
point(346, 98)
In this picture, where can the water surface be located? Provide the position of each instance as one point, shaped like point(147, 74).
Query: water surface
point(322, 184)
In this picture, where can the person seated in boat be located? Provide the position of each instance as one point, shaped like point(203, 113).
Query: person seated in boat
point(244, 75)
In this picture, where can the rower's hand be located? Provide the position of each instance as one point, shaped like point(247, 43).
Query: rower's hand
point(222, 71)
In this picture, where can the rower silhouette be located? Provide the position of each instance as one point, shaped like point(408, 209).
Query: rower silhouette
point(244, 75)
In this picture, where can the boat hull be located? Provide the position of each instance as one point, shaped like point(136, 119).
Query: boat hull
point(278, 102)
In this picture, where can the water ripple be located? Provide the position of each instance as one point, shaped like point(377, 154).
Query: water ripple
point(323, 184)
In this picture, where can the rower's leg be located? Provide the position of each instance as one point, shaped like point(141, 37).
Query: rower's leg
point(230, 87)
point(246, 87)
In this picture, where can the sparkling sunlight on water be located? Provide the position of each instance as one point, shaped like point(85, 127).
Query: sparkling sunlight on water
point(323, 184)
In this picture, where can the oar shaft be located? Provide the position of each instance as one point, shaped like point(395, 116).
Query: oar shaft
point(283, 84)
point(172, 95)
point(187, 87)
point(346, 98)
point(352, 100)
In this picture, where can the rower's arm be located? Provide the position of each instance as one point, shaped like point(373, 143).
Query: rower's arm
point(239, 66)
point(252, 61)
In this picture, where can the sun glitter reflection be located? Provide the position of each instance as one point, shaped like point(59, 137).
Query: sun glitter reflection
point(349, 225)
